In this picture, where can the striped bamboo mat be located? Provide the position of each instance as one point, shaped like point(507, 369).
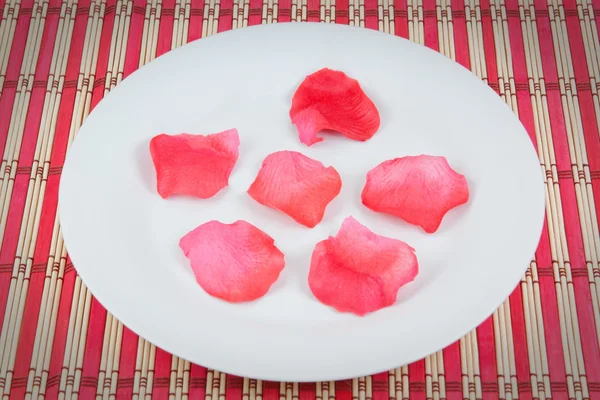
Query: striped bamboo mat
point(58, 58)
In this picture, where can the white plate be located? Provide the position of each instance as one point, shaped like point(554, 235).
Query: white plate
point(123, 238)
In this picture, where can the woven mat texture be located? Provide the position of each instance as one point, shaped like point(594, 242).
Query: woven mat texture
point(58, 58)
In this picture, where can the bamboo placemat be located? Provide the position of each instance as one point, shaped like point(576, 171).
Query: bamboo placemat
point(58, 58)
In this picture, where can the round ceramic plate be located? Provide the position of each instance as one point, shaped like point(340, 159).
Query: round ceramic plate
point(123, 238)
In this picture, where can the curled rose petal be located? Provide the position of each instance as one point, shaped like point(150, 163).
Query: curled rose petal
point(359, 271)
point(296, 185)
point(418, 189)
point(330, 100)
point(194, 165)
point(235, 262)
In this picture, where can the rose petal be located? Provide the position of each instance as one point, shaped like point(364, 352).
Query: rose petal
point(329, 99)
point(359, 271)
point(418, 189)
point(297, 185)
point(194, 165)
point(234, 262)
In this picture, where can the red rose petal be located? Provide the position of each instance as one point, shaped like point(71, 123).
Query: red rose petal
point(329, 99)
point(418, 189)
point(359, 271)
point(297, 185)
point(234, 262)
point(194, 165)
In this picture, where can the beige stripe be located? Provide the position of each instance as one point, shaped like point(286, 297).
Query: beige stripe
point(475, 39)
point(8, 167)
point(592, 50)
point(295, 11)
point(469, 361)
point(7, 32)
point(362, 388)
point(35, 192)
point(445, 28)
point(401, 383)
point(144, 373)
point(113, 331)
point(40, 360)
point(414, 11)
point(582, 179)
point(215, 385)
point(264, 17)
point(534, 324)
point(591, 43)
point(506, 79)
point(237, 14)
point(323, 390)
point(78, 320)
point(505, 355)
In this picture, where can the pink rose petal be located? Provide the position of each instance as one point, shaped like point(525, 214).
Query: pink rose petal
point(330, 100)
point(296, 185)
point(234, 262)
point(194, 165)
point(359, 271)
point(418, 189)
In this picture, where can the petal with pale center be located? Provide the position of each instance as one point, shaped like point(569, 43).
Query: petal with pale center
point(235, 262)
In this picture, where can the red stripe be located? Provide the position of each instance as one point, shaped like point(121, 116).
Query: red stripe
point(162, 373)
point(226, 16)
point(20, 186)
point(313, 10)
point(519, 336)
point(341, 8)
point(15, 60)
point(93, 348)
point(134, 39)
point(401, 23)
point(195, 25)
point(284, 11)
point(60, 334)
point(379, 383)
point(416, 374)
point(197, 382)
point(487, 357)
point(489, 48)
point(270, 390)
point(308, 391)
point(461, 41)
point(430, 25)
point(371, 14)
point(127, 360)
point(234, 388)
point(343, 391)
point(165, 29)
point(45, 230)
point(452, 370)
point(255, 12)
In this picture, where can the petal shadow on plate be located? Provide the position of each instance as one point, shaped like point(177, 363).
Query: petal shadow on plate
point(296, 273)
point(145, 167)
